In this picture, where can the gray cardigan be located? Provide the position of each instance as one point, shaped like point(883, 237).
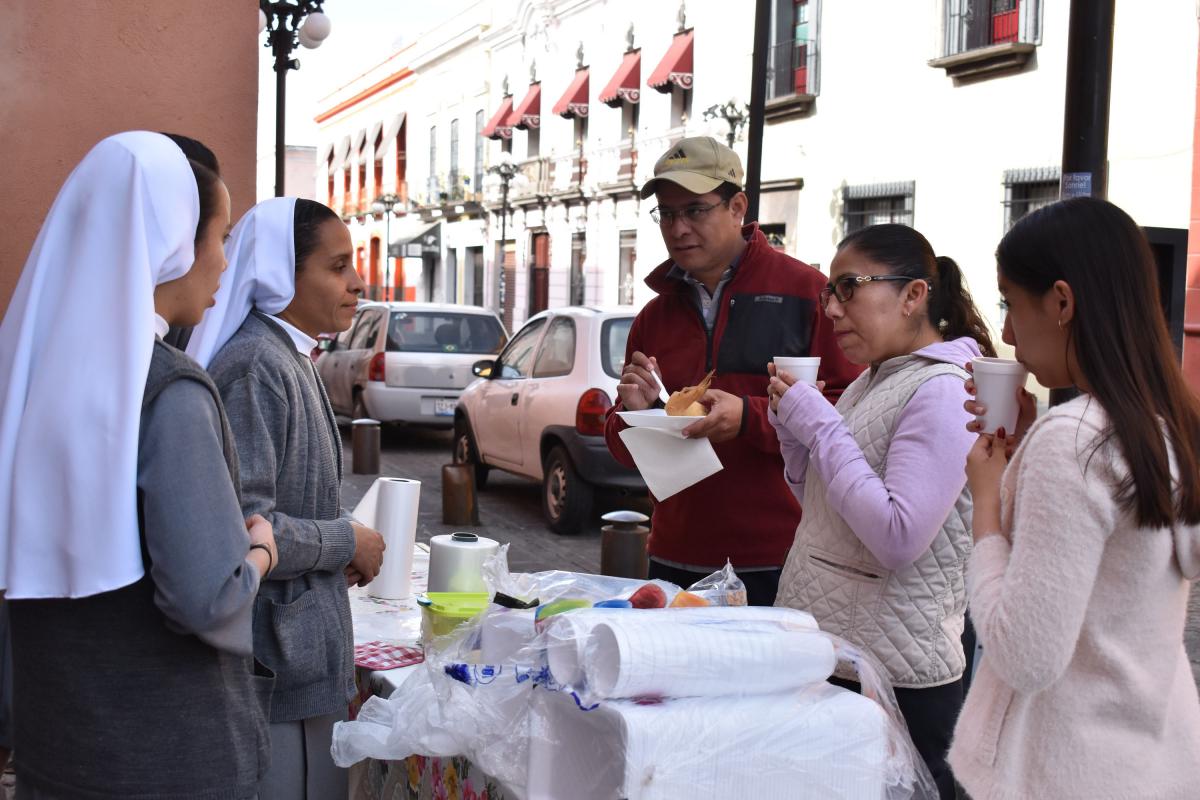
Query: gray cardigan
point(149, 690)
point(291, 470)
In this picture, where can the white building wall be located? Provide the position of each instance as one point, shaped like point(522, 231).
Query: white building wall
point(883, 114)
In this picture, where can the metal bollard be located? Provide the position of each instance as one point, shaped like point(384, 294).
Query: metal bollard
point(365, 447)
point(458, 495)
point(623, 545)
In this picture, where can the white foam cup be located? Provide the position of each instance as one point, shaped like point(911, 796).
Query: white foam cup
point(996, 383)
point(802, 368)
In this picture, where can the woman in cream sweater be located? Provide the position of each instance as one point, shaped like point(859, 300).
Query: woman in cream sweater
point(1086, 541)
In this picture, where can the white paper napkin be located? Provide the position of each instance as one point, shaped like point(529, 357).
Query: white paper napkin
point(668, 462)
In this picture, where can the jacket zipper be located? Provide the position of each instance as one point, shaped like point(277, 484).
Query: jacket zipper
point(708, 334)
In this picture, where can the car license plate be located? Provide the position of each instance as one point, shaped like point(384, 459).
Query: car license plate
point(444, 406)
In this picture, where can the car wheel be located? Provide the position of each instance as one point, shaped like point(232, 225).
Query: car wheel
point(566, 497)
point(465, 452)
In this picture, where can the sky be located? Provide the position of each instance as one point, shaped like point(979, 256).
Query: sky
point(364, 32)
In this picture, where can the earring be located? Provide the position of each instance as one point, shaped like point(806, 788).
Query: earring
point(1060, 324)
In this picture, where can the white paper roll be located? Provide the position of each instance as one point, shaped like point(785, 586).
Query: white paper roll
point(661, 654)
point(390, 506)
point(456, 562)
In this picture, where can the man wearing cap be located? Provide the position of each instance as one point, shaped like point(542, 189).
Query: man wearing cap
point(727, 301)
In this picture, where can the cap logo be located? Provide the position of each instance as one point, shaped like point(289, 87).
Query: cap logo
point(678, 155)
point(732, 174)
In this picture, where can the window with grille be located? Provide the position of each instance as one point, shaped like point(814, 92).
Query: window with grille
point(455, 187)
point(876, 204)
point(433, 180)
point(971, 24)
point(477, 181)
point(792, 62)
point(626, 258)
point(1027, 190)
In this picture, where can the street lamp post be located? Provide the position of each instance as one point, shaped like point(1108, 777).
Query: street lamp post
point(384, 205)
point(735, 116)
point(288, 23)
point(505, 170)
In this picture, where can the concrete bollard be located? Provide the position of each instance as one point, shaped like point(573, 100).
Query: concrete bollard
point(623, 545)
point(365, 447)
point(458, 495)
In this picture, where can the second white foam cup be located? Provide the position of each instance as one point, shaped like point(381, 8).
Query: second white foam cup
point(996, 383)
point(802, 368)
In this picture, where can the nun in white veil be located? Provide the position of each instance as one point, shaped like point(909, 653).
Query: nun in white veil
point(129, 568)
point(290, 278)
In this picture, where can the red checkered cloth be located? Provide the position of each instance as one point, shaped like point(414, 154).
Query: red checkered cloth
point(383, 655)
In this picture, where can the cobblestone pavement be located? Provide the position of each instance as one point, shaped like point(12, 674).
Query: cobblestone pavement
point(509, 508)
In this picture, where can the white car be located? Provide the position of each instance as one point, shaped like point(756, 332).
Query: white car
point(407, 362)
point(539, 409)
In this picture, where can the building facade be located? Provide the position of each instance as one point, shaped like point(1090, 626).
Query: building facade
point(936, 114)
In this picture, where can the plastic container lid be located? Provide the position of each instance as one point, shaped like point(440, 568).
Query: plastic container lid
point(442, 612)
point(457, 604)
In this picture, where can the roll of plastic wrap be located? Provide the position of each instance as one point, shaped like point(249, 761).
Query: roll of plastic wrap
point(390, 506)
point(456, 562)
point(636, 655)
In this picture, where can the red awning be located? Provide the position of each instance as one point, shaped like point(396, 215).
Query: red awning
point(676, 66)
point(529, 113)
point(498, 127)
point(625, 86)
point(574, 102)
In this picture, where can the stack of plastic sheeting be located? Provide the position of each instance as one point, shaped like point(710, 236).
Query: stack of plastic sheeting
point(822, 741)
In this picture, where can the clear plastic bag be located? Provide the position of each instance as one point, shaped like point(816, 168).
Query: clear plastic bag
point(722, 588)
point(543, 730)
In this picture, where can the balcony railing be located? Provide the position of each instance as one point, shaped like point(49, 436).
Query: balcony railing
point(972, 24)
point(569, 172)
point(539, 178)
point(615, 164)
point(793, 68)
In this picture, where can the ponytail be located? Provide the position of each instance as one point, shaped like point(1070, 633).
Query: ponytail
point(904, 251)
point(953, 311)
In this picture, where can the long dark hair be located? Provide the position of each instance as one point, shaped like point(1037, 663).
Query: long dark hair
point(207, 171)
point(1121, 344)
point(904, 251)
point(307, 220)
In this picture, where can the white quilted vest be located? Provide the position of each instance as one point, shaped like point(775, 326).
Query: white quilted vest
point(910, 619)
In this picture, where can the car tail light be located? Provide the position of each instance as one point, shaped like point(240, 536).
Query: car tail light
point(375, 371)
point(589, 414)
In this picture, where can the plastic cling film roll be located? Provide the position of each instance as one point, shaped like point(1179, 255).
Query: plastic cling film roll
point(390, 507)
point(456, 562)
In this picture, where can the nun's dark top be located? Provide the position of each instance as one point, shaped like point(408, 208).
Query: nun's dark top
point(150, 690)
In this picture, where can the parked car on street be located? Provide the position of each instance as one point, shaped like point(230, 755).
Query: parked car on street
point(538, 410)
point(407, 362)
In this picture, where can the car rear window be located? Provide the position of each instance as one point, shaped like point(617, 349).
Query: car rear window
point(444, 332)
point(613, 334)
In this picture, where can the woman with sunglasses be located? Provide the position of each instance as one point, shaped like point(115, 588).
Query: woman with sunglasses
point(1087, 539)
point(878, 557)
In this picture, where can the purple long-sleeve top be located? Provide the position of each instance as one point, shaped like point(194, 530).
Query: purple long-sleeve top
point(898, 516)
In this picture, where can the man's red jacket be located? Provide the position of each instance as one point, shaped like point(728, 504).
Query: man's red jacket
point(745, 512)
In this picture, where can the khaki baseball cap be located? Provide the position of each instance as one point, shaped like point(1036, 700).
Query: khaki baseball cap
point(699, 164)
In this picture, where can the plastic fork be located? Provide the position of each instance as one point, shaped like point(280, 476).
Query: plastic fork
point(663, 394)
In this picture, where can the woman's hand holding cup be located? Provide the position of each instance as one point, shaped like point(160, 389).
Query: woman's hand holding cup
point(781, 381)
point(1026, 408)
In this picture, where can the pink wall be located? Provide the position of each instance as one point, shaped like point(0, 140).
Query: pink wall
point(1191, 310)
point(74, 72)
